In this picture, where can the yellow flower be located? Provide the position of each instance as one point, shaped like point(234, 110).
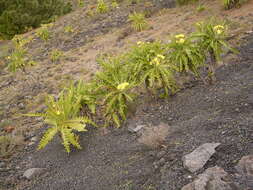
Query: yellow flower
point(180, 36)
point(218, 27)
point(58, 112)
point(122, 86)
point(180, 41)
point(160, 56)
point(219, 31)
point(139, 42)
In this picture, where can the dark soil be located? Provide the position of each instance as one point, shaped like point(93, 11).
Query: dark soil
point(222, 113)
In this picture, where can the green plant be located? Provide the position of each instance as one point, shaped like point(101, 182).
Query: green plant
point(115, 4)
point(68, 29)
point(211, 37)
point(185, 55)
point(18, 16)
point(62, 115)
point(56, 55)
point(115, 87)
point(81, 3)
point(184, 2)
point(8, 143)
point(200, 8)
point(18, 57)
point(43, 32)
point(229, 4)
point(149, 65)
point(84, 92)
point(102, 7)
point(138, 21)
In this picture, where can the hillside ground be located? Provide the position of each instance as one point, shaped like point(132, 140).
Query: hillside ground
point(116, 160)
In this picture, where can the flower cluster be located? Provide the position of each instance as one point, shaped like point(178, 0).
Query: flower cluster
point(180, 38)
point(123, 86)
point(157, 60)
point(218, 29)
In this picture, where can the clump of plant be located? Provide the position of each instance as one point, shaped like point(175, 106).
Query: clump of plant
point(184, 2)
point(68, 29)
point(102, 7)
point(56, 55)
point(200, 8)
point(80, 3)
point(212, 39)
point(8, 144)
point(43, 32)
point(138, 21)
point(149, 65)
point(18, 59)
point(185, 55)
point(229, 4)
point(85, 93)
point(63, 117)
point(116, 89)
point(115, 4)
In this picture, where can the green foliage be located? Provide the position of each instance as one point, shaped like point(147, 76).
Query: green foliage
point(185, 55)
point(114, 4)
point(17, 17)
point(115, 86)
point(8, 144)
point(68, 29)
point(184, 2)
point(212, 38)
point(56, 55)
point(200, 8)
point(229, 4)
point(43, 32)
point(102, 7)
point(149, 65)
point(138, 21)
point(18, 58)
point(81, 3)
point(84, 92)
point(62, 115)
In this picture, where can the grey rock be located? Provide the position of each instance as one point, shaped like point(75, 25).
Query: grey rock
point(135, 129)
point(198, 158)
point(245, 170)
point(2, 164)
point(212, 179)
point(33, 172)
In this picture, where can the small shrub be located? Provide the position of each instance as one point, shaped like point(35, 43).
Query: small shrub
point(184, 2)
point(138, 21)
point(229, 4)
point(18, 58)
point(43, 32)
point(62, 115)
point(200, 8)
point(80, 3)
point(115, 4)
point(102, 7)
point(68, 29)
point(185, 55)
point(56, 55)
point(8, 143)
point(115, 86)
point(211, 36)
point(149, 65)
point(84, 92)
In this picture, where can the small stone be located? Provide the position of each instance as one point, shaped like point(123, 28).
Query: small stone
point(161, 154)
point(136, 129)
point(34, 139)
point(33, 172)
point(198, 158)
point(2, 164)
